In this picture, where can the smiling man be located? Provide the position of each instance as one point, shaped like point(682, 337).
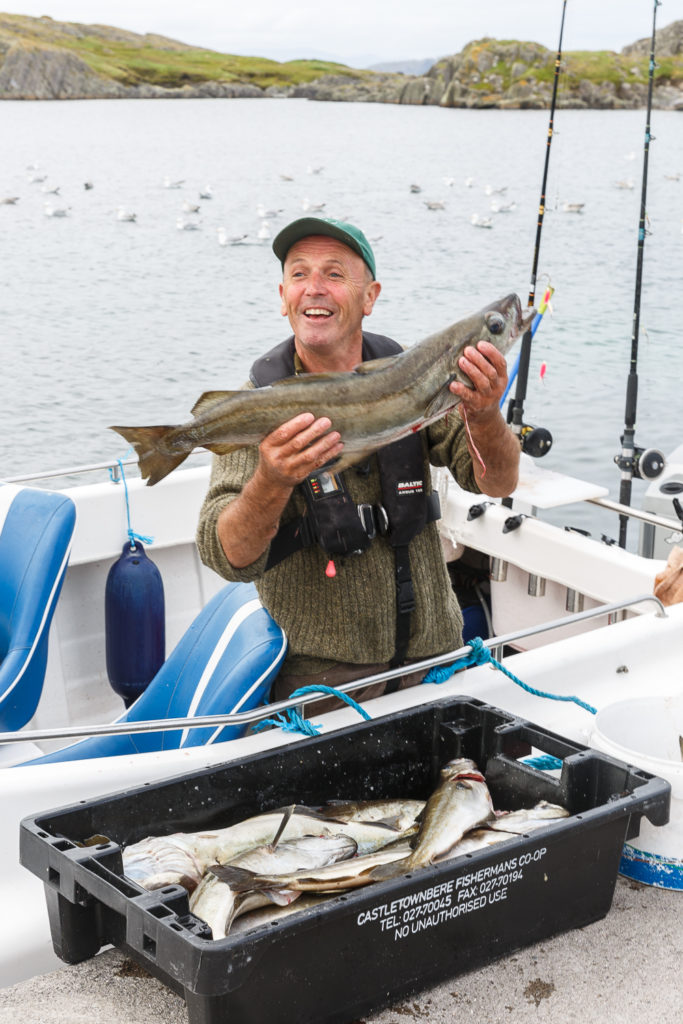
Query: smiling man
point(349, 565)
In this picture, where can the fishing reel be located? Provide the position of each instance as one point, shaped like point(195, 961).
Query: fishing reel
point(643, 463)
point(535, 441)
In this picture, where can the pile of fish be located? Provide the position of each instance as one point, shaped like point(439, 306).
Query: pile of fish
point(272, 859)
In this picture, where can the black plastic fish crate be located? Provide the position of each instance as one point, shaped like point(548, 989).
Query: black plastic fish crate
point(371, 947)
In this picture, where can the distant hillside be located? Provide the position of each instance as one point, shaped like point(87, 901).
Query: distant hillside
point(45, 59)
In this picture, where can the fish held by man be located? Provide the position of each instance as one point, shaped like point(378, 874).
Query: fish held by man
point(380, 401)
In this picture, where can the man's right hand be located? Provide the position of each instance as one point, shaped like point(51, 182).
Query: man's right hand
point(296, 449)
point(288, 455)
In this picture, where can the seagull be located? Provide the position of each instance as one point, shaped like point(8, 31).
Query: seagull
point(435, 204)
point(314, 170)
point(9, 201)
point(206, 193)
point(469, 182)
point(481, 222)
point(126, 215)
point(672, 177)
point(37, 179)
point(449, 181)
point(573, 207)
point(415, 189)
point(287, 177)
point(190, 207)
point(56, 211)
point(264, 231)
point(173, 184)
point(497, 207)
point(491, 191)
point(225, 239)
point(312, 207)
point(262, 212)
point(628, 183)
point(186, 225)
point(49, 191)
point(87, 185)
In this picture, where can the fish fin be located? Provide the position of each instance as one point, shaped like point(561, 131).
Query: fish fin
point(239, 879)
point(383, 872)
point(154, 465)
point(289, 811)
point(223, 449)
point(373, 365)
point(209, 399)
point(441, 403)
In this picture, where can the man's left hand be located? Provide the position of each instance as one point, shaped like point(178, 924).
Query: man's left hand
point(487, 369)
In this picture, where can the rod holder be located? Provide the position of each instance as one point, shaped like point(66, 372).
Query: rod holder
point(499, 570)
point(574, 602)
point(536, 587)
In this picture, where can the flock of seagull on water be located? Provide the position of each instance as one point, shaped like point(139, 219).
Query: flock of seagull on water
point(188, 218)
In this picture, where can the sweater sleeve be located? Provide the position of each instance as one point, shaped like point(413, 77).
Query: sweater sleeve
point(229, 473)
point(448, 447)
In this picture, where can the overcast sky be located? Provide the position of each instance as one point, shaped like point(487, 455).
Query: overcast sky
point(361, 32)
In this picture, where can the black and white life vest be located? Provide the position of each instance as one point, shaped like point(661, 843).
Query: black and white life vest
point(339, 525)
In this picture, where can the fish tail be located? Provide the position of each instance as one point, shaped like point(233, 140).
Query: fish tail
point(154, 464)
point(239, 879)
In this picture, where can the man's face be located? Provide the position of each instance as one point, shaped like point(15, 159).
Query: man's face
point(326, 291)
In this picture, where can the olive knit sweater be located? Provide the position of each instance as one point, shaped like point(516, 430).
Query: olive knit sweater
point(351, 617)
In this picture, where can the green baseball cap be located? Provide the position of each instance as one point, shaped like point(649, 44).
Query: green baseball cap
point(339, 229)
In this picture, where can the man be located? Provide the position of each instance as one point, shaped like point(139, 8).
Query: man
point(351, 567)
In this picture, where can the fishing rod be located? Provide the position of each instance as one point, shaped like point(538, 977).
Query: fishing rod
point(634, 461)
point(516, 408)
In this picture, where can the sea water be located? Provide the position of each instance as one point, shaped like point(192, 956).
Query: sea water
point(107, 321)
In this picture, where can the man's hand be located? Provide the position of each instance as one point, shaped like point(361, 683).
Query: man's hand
point(487, 369)
point(287, 456)
point(297, 448)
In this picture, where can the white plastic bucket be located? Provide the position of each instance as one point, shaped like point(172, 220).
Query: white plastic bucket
point(646, 734)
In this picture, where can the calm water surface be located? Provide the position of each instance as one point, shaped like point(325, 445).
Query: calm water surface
point(111, 322)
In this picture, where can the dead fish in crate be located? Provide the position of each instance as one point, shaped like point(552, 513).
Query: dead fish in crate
point(218, 904)
point(460, 803)
point(337, 877)
point(183, 857)
point(527, 819)
point(376, 403)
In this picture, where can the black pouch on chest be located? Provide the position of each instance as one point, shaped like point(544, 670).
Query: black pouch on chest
point(334, 520)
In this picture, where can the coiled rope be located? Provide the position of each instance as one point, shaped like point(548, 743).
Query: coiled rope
point(292, 721)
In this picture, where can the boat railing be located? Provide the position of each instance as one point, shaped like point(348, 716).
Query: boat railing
point(497, 643)
point(112, 466)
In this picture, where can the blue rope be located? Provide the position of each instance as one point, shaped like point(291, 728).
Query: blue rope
point(544, 762)
point(481, 656)
point(292, 721)
point(132, 535)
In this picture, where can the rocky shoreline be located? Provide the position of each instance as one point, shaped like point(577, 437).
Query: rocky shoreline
point(485, 74)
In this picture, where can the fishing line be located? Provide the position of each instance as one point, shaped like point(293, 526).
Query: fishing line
point(627, 461)
point(517, 406)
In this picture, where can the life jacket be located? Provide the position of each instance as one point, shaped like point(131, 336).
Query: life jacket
point(334, 521)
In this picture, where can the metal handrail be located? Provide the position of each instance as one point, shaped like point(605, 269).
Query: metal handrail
point(255, 714)
point(93, 467)
point(637, 513)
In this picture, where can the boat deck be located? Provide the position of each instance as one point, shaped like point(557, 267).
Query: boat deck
point(625, 967)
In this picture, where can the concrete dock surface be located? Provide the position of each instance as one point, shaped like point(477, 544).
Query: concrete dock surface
point(626, 968)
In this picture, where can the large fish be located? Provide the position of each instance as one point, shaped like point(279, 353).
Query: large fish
point(217, 903)
point(460, 803)
point(378, 402)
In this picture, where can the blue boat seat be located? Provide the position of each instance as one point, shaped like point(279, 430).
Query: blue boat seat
point(36, 528)
point(225, 663)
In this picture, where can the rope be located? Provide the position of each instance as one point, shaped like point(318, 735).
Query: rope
point(292, 721)
point(132, 535)
point(544, 762)
point(481, 656)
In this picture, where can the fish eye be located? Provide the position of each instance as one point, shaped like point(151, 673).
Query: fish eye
point(495, 323)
